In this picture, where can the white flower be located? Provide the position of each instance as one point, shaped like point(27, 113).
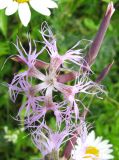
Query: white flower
point(92, 149)
point(41, 6)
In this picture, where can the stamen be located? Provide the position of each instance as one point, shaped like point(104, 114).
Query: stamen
point(90, 150)
point(21, 1)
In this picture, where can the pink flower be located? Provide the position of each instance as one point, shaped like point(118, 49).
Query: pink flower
point(47, 141)
point(40, 97)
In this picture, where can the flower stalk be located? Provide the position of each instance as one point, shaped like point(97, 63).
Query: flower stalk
point(95, 47)
point(52, 156)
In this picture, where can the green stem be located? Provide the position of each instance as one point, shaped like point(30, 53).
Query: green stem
point(52, 156)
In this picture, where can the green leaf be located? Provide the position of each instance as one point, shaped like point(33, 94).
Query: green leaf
point(107, 1)
point(90, 24)
point(3, 23)
point(4, 48)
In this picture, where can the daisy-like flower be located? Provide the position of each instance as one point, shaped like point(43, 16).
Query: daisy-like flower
point(92, 149)
point(22, 6)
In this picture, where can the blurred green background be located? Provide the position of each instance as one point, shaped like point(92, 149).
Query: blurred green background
point(72, 21)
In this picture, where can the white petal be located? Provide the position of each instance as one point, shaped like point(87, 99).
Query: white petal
point(98, 140)
point(49, 3)
point(90, 138)
point(109, 157)
point(12, 8)
point(79, 141)
point(3, 4)
point(24, 13)
point(39, 7)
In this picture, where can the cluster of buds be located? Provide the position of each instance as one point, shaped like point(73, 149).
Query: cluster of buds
point(47, 88)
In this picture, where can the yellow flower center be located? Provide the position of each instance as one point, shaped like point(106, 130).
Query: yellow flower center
point(92, 151)
point(21, 1)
